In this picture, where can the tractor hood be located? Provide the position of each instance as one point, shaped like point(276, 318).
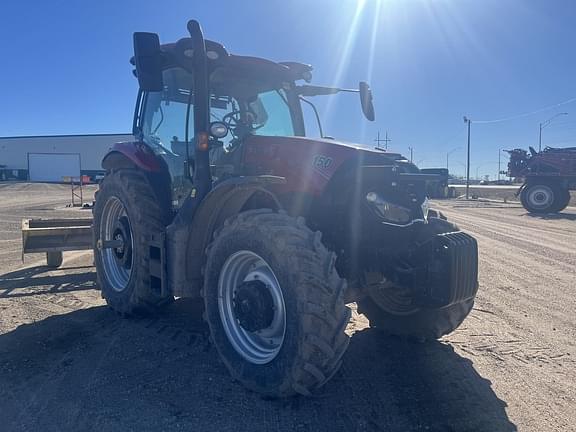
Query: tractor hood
point(309, 164)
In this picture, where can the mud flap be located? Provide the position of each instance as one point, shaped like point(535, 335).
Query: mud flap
point(157, 263)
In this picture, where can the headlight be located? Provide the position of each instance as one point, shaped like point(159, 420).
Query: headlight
point(388, 211)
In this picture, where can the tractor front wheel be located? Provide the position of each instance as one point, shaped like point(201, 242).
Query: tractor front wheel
point(391, 308)
point(275, 304)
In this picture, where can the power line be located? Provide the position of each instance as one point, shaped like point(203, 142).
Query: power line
point(517, 116)
point(457, 135)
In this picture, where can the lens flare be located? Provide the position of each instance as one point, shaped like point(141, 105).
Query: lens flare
point(345, 53)
point(371, 57)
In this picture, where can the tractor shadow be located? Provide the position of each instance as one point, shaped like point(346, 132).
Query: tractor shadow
point(92, 370)
point(33, 281)
point(553, 216)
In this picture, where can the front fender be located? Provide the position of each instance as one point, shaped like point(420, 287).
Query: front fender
point(130, 154)
point(189, 236)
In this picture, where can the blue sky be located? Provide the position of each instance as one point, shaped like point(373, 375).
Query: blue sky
point(65, 65)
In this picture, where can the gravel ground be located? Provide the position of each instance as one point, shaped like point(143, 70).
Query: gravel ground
point(67, 363)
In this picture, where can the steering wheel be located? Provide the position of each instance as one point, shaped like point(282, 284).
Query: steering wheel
point(232, 119)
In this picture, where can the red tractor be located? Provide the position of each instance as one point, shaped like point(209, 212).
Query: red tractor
point(222, 196)
point(549, 176)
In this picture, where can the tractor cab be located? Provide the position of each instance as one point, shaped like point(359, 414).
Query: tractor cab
point(222, 98)
point(165, 121)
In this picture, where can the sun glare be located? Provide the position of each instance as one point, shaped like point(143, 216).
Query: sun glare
point(346, 51)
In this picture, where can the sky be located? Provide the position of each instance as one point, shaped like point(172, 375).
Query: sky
point(65, 67)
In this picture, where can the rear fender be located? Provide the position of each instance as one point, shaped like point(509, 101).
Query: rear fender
point(137, 155)
point(130, 155)
point(188, 238)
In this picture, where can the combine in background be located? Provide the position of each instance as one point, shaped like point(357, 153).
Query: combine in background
point(549, 176)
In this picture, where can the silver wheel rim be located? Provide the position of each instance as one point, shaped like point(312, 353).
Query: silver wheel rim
point(540, 197)
point(263, 345)
point(116, 272)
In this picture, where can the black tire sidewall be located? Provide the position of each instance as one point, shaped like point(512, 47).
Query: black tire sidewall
point(425, 323)
point(562, 199)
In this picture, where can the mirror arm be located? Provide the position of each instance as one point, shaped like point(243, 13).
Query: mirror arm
point(316, 113)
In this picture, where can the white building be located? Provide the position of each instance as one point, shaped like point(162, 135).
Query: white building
point(51, 158)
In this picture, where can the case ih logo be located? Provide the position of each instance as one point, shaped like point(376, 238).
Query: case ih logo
point(322, 162)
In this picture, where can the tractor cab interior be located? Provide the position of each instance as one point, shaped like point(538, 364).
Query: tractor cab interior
point(241, 104)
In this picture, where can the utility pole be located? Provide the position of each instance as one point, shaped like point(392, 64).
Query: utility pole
point(467, 120)
point(411, 153)
point(543, 125)
point(499, 152)
point(540, 139)
point(385, 140)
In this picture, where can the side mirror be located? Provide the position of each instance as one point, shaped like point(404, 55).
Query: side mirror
point(218, 129)
point(148, 61)
point(366, 100)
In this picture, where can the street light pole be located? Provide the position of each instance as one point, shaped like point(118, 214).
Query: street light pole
point(540, 139)
point(543, 125)
point(467, 120)
point(411, 153)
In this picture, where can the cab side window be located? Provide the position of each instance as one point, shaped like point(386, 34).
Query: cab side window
point(164, 124)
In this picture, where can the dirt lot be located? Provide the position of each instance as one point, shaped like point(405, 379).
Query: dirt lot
point(67, 363)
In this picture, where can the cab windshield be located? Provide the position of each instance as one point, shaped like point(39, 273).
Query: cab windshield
point(163, 123)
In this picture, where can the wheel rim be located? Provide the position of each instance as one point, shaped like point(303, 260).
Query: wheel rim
point(251, 306)
point(540, 197)
point(117, 261)
point(392, 298)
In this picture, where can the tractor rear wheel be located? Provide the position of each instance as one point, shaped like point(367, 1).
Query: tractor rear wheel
point(126, 214)
point(275, 304)
point(390, 308)
point(541, 197)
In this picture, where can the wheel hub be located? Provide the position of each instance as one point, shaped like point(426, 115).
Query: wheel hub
point(540, 197)
point(121, 233)
point(254, 306)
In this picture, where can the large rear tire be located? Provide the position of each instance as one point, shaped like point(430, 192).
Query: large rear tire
point(126, 214)
point(275, 304)
point(391, 310)
point(542, 197)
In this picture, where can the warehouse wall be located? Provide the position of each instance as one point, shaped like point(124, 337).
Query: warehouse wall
point(92, 148)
